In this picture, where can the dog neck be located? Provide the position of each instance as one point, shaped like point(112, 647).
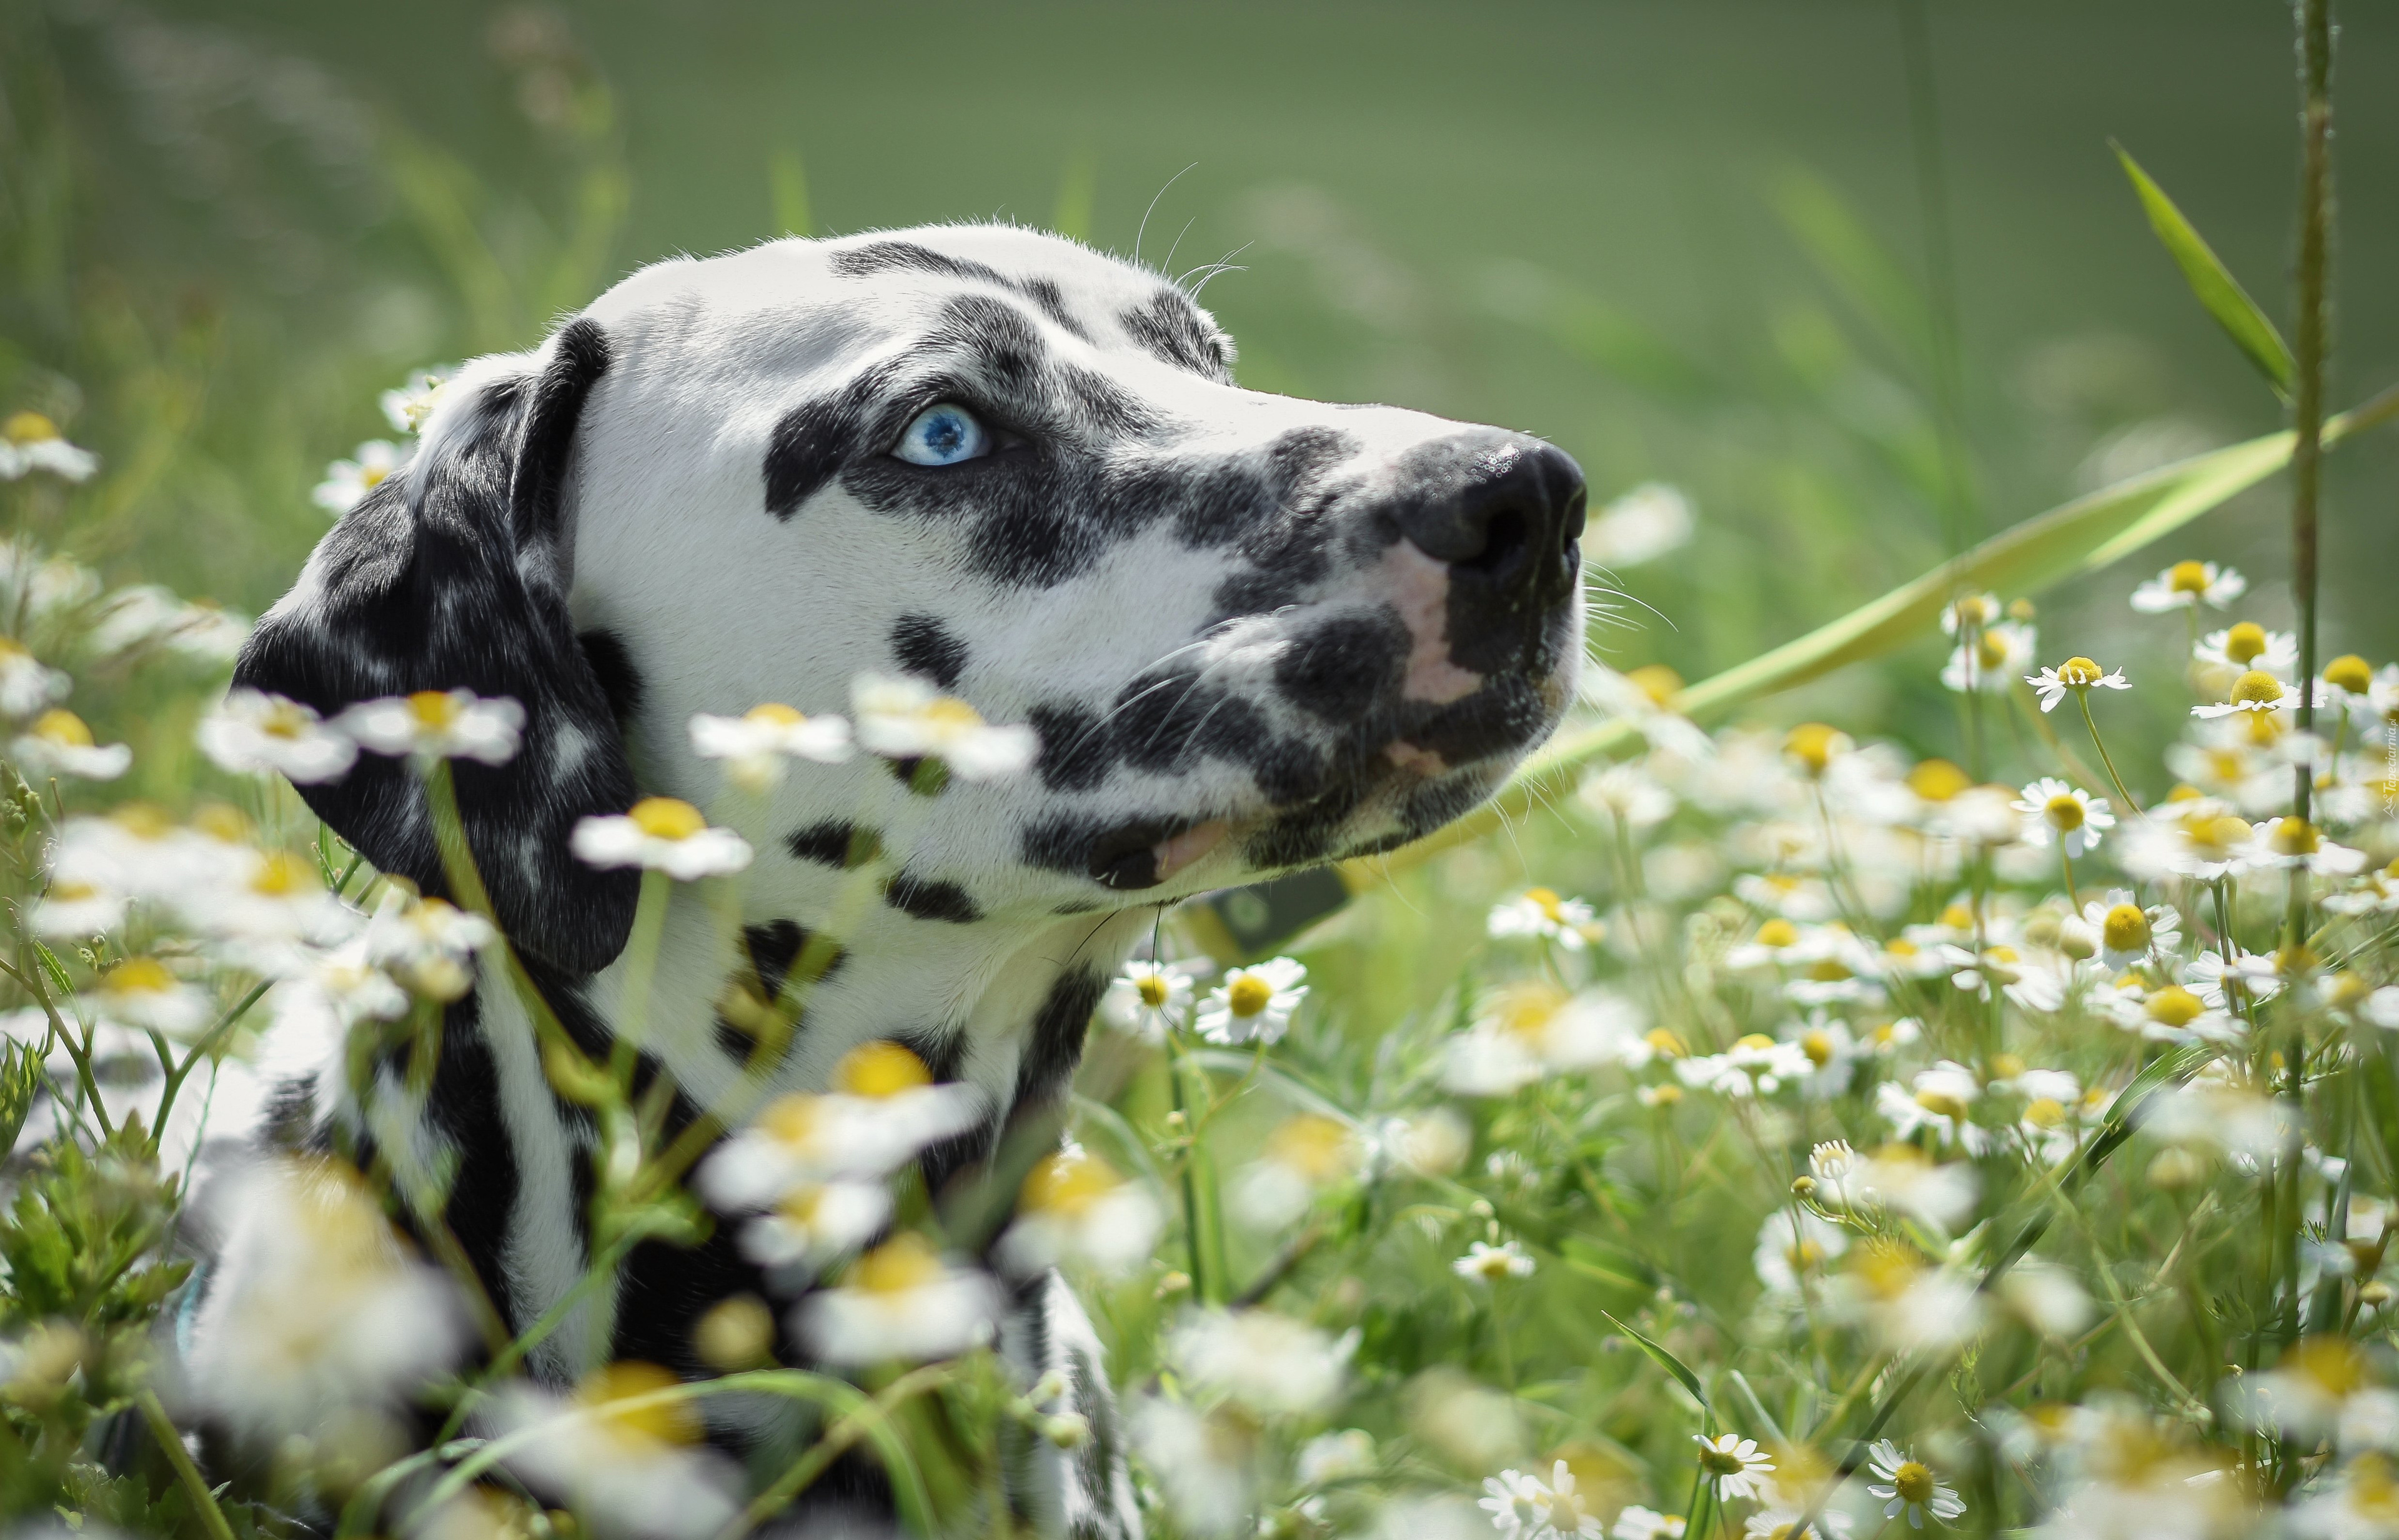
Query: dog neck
point(1000, 1003)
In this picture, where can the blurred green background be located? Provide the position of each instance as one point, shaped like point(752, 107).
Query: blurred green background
point(1688, 242)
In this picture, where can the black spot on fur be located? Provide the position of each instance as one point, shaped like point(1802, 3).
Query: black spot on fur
point(905, 256)
point(1170, 327)
point(835, 843)
point(927, 899)
point(815, 440)
point(925, 646)
point(1075, 748)
point(619, 680)
point(773, 945)
point(1341, 667)
point(1055, 1044)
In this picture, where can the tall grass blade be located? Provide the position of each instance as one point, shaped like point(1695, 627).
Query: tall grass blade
point(2217, 289)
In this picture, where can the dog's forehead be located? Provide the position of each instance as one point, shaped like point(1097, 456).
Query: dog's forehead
point(808, 302)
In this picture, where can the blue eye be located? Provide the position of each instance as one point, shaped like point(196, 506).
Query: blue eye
point(943, 435)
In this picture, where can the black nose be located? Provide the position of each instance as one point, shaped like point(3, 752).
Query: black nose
point(1504, 510)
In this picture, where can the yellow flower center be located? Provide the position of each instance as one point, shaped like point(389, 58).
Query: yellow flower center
point(1315, 1146)
point(1957, 918)
point(904, 1263)
point(1248, 995)
point(2045, 1112)
point(2080, 672)
point(1664, 1044)
point(1817, 1046)
point(2174, 1007)
point(1899, 946)
point(284, 720)
point(143, 820)
point(2296, 837)
point(1068, 1186)
point(1153, 989)
point(1803, 1256)
point(1976, 609)
point(1720, 1462)
point(1544, 899)
point(63, 728)
point(666, 1423)
point(2245, 641)
point(879, 1069)
point(222, 821)
point(1813, 745)
point(1756, 1042)
point(2006, 1066)
point(2349, 672)
point(2333, 1363)
point(2213, 839)
point(1655, 680)
point(1778, 933)
point(1991, 651)
point(667, 818)
point(2256, 688)
point(1912, 1480)
point(1663, 1096)
point(2125, 928)
point(1937, 780)
point(2187, 577)
point(372, 476)
point(1829, 970)
point(29, 428)
point(435, 710)
point(138, 976)
point(279, 876)
point(950, 716)
point(1940, 1103)
point(789, 1119)
point(774, 714)
point(2063, 811)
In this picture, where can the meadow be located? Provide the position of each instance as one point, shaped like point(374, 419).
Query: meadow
point(1916, 1051)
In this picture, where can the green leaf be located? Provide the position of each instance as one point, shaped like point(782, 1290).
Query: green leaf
point(2217, 289)
point(2125, 1113)
point(1853, 262)
point(1665, 1360)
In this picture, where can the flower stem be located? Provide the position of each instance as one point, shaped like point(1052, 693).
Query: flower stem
point(171, 1444)
point(2082, 698)
point(2073, 902)
point(2309, 344)
point(1190, 1154)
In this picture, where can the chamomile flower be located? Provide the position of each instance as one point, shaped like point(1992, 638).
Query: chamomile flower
point(348, 481)
point(1541, 912)
point(883, 1107)
point(756, 745)
point(2128, 932)
point(1940, 1098)
point(1305, 1155)
point(1780, 1520)
point(407, 407)
point(1488, 1264)
point(2292, 843)
point(60, 744)
point(1991, 660)
point(1637, 1522)
point(902, 1301)
point(2187, 585)
point(1075, 1206)
point(1254, 1003)
point(2056, 810)
point(428, 944)
point(1735, 1466)
point(437, 725)
point(1268, 1363)
point(1971, 612)
point(142, 992)
point(1148, 999)
point(1525, 1508)
point(26, 684)
point(1642, 525)
point(661, 834)
point(2249, 645)
point(2259, 692)
point(1908, 1486)
point(815, 1222)
point(1792, 1246)
point(631, 1464)
point(2168, 1014)
point(2199, 839)
point(2077, 674)
point(148, 615)
point(2227, 983)
point(30, 442)
point(907, 718)
point(328, 993)
point(72, 911)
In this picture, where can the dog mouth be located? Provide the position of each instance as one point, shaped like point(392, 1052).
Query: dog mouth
point(1149, 852)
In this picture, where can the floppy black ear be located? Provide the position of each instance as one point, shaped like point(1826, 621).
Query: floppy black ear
point(453, 572)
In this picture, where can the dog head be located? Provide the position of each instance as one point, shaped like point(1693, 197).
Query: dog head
point(1252, 633)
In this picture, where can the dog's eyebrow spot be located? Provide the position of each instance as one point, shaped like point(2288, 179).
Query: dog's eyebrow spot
point(1170, 327)
point(925, 646)
point(994, 336)
point(1103, 404)
point(813, 440)
point(926, 898)
point(835, 843)
point(886, 256)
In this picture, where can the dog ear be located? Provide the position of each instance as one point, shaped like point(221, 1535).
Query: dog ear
point(453, 572)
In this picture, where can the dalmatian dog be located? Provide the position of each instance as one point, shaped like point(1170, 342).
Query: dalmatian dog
point(1254, 634)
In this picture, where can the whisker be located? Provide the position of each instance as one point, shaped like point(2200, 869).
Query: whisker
point(1144, 227)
